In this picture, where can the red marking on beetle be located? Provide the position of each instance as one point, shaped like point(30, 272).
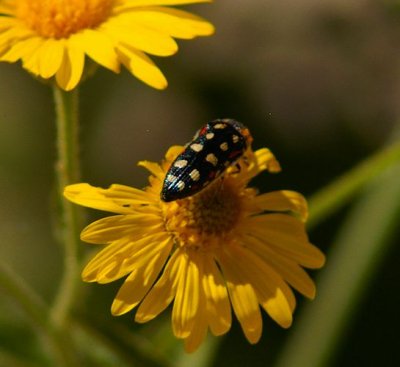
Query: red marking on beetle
point(203, 130)
point(235, 153)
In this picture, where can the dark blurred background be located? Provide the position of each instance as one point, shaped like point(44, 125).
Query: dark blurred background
point(316, 81)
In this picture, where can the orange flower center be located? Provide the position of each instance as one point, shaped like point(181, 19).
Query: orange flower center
point(61, 18)
point(204, 219)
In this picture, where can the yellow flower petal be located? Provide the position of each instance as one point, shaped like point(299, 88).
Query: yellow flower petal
point(138, 3)
point(103, 259)
point(8, 30)
point(265, 160)
point(117, 198)
point(113, 271)
point(187, 296)
point(255, 162)
point(141, 67)
point(129, 251)
point(272, 292)
point(143, 38)
point(109, 229)
point(70, 72)
point(162, 293)
point(288, 269)
point(286, 235)
point(153, 168)
point(172, 153)
point(283, 200)
point(174, 22)
point(31, 61)
point(199, 332)
point(51, 54)
point(99, 47)
point(218, 306)
point(243, 298)
point(141, 279)
point(21, 50)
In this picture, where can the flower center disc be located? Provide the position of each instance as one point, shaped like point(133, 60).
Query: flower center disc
point(206, 216)
point(61, 18)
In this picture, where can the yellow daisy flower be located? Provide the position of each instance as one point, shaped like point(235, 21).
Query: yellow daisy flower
point(52, 37)
point(225, 247)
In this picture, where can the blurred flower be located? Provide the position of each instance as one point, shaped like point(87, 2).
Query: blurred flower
point(52, 37)
point(225, 246)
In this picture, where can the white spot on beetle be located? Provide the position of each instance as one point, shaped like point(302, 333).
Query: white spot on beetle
point(224, 146)
point(196, 147)
point(180, 185)
point(212, 159)
point(209, 136)
point(235, 138)
point(181, 163)
point(171, 178)
point(195, 175)
point(219, 126)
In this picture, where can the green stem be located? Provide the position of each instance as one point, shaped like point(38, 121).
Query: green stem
point(339, 192)
point(37, 311)
point(68, 172)
point(15, 287)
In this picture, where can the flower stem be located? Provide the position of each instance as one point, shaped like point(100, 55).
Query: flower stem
point(14, 286)
point(37, 311)
point(68, 171)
